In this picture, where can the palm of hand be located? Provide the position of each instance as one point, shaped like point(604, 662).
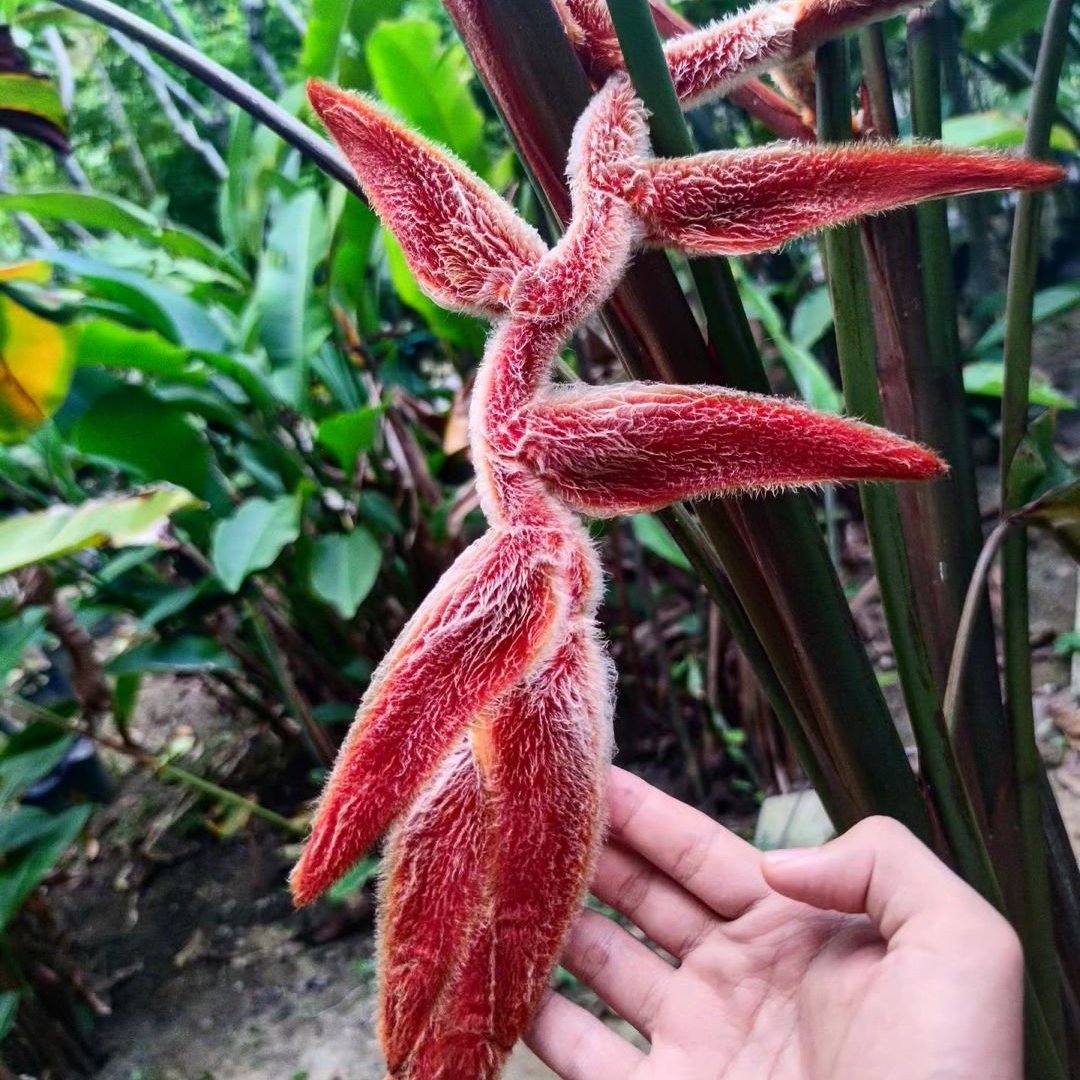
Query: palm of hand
point(782, 991)
point(871, 961)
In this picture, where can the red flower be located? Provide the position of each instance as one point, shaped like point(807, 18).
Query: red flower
point(483, 738)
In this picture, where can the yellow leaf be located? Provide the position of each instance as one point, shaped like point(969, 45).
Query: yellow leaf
point(35, 270)
point(37, 360)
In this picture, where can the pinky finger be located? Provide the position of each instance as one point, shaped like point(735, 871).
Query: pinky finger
point(578, 1046)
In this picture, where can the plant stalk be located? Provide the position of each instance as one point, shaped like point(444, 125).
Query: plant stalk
point(1036, 929)
point(849, 288)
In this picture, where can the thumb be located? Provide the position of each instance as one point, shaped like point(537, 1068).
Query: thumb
point(879, 868)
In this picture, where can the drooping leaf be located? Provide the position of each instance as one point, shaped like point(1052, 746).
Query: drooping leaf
point(987, 377)
point(95, 210)
point(1046, 304)
point(30, 106)
point(350, 434)
point(120, 521)
point(28, 756)
point(293, 320)
point(178, 317)
point(37, 359)
point(253, 537)
point(185, 654)
point(22, 875)
point(344, 568)
point(150, 438)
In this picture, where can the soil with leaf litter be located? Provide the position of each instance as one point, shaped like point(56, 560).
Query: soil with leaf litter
point(191, 940)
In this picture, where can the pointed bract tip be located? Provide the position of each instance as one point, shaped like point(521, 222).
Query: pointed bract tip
point(321, 96)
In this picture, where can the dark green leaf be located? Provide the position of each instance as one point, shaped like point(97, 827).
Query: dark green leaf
point(179, 655)
point(9, 1010)
point(19, 877)
point(22, 825)
point(17, 634)
point(133, 429)
point(28, 756)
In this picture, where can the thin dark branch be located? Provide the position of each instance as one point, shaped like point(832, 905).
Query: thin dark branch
point(297, 134)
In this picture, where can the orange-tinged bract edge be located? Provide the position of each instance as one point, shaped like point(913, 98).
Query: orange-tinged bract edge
point(483, 738)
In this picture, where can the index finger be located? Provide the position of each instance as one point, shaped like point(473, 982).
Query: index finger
point(707, 860)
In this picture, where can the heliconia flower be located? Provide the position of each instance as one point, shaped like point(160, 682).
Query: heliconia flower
point(482, 742)
point(714, 60)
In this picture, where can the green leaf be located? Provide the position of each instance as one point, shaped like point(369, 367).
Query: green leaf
point(293, 316)
point(253, 537)
point(122, 521)
point(344, 568)
point(20, 877)
point(354, 238)
point(652, 536)
point(99, 211)
point(1046, 304)
point(1066, 644)
point(19, 633)
point(135, 430)
point(325, 31)
point(814, 382)
point(350, 434)
point(178, 317)
point(22, 825)
point(363, 872)
point(461, 330)
point(427, 82)
point(987, 378)
point(997, 130)
point(23, 92)
point(9, 1010)
point(997, 22)
point(812, 318)
point(28, 756)
point(34, 108)
point(186, 654)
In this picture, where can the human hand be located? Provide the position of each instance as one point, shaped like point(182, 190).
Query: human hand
point(866, 958)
